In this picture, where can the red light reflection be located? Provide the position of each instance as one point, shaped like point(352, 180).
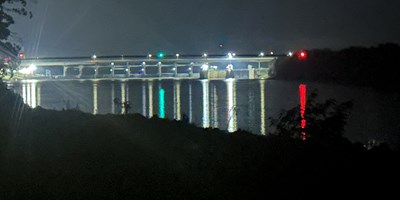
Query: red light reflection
point(303, 100)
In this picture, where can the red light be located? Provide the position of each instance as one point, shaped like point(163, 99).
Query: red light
point(302, 55)
point(21, 55)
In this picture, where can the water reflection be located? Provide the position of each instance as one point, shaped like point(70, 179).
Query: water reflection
point(123, 95)
point(217, 107)
point(38, 95)
point(161, 110)
point(231, 105)
point(262, 106)
point(177, 100)
point(303, 100)
point(24, 93)
point(28, 94)
point(95, 105)
point(144, 99)
point(150, 85)
point(190, 104)
point(214, 106)
point(31, 94)
point(206, 100)
point(207, 103)
point(112, 98)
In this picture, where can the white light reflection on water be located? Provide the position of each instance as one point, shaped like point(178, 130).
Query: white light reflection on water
point(206, 100)
point(190, 104)
point(214, 106)
point(268, 101)
point(112, 98)
point(39, 94)
point(177, 100)
point(262, 107)
point(150, 99)
point(231, 105)
point(24, 92)
point(144, 98)
point(31, 93)
point(28, 94)
point(123, 94)
point(95, 105)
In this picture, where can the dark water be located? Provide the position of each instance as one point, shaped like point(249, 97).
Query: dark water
point(223, 104)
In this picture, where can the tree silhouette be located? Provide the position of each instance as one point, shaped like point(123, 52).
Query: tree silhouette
point(325, 121)
point(7, 8)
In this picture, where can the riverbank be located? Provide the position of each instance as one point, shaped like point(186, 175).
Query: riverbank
point(368, 67)
point(47, 154)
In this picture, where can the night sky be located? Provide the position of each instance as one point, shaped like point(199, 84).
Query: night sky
point(138, 27)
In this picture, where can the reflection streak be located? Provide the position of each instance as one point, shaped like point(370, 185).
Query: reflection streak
point(215, 106)
point(144, 99)
point(262, 106)
point(112, 98)
point(39, 94)
point(231, 103)
point(33, 97)
point(206, 100)
point(24, 92)
point(150, 99)
point(177, 100)
point(95, 106)
point(190, 104)
point(28, 95)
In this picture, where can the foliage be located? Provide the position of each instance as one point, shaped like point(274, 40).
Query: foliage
point(325, 121)
point(7, 8)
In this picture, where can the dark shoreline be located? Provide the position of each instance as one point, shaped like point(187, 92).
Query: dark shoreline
point(47, 154)
point(373, 67)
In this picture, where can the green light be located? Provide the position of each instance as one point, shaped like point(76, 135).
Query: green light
point(161, 93)
point(160, 55)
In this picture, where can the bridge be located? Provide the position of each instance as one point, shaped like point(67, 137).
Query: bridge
point(150, 66)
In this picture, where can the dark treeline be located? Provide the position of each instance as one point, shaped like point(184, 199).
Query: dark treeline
point(374, 66)
point(47, 154)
